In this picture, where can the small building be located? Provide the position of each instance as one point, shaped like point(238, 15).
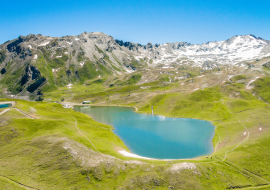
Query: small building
point(67, 106)
point(86, 102)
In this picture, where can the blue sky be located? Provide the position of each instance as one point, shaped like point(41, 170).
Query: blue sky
point(139, 21)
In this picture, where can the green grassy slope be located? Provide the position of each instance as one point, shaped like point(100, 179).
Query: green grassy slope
point(51, 153)
point(34, 155)
point(8, 184)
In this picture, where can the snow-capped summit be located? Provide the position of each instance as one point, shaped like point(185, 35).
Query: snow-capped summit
point(231, 51)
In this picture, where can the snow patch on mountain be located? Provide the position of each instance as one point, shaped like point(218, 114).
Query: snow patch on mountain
point(232, 51)
point(44, 44)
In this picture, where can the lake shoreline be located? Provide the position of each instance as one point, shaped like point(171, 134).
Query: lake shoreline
point(132, 155)
point(137, 111)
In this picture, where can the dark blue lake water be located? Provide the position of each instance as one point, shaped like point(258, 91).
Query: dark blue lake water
point(156, 136)
point(5, 105)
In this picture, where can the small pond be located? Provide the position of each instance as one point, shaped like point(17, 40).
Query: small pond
point(156, 136)
point(4, 105)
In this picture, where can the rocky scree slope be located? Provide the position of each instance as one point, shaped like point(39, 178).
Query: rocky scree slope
point(35, 63)
point(235, 50)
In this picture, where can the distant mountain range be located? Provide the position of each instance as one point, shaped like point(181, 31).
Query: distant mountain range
point(35, 63)
point(232, 51)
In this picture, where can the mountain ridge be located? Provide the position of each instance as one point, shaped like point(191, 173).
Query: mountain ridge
point(37, 63)
point(260, 38)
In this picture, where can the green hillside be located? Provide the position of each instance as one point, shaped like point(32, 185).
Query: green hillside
point(64, 149)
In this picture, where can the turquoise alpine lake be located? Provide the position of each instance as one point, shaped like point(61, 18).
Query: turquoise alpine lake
point(155, 136)
point(4, 105)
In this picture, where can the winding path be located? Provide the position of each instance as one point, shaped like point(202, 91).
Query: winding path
point(5, 110)
point(24, 113)
point(217, 142)
point(226, 153)
point(18, 183)
point(84, 135)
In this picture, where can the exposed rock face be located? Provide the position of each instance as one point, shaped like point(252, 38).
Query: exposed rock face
point(231, 51)
point(30, 63)
point(182, 166)
point(34, 63)
point(267, 65)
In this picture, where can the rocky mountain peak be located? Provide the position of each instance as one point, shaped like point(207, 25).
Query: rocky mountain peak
point(36, 62)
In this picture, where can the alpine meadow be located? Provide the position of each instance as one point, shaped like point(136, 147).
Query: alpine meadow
point(92, 111)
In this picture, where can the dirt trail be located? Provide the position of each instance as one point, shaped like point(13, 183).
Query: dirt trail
point(226, 153)
point(18, 183)
point(6, 110)
point(24, 113)
point(84, 135)
point(217, 143)
point(257, 187)
point(244, 171)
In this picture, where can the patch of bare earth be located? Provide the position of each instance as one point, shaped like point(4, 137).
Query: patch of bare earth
point(87, 157)
point(176, 168)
